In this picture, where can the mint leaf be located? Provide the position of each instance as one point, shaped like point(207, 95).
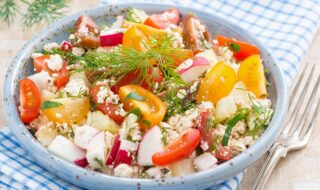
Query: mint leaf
point(147, 123)
point(50, 104)
point(135, 111)
point(99, 161)
point(135, 96)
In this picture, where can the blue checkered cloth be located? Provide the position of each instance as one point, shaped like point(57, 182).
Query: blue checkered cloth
point(286, 27)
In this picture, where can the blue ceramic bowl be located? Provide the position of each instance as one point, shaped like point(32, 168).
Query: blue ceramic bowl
point(22, 67)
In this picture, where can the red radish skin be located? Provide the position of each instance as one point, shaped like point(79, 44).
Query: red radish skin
point(82, 162)
point(111, 39)
point(114, 151)
point(123, 157)
point(194, 71)
point(66, 46)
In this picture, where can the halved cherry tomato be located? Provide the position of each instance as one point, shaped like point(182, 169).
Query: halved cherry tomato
point(147, 30)
point(154, 74)
point(179, 149)
point(195, 35)
point(40, 63)
point(30, 100)
point(152, 108)
point(86, 32)
point(251, 73)
point(241, 52)
point(133, 37)
point(224, 153)
point(109, 109)
point(164, 20)
point(217, 83)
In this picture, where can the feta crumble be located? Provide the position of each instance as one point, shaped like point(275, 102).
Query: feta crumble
point(50, 46)
point(55, 62)
point(123, 170)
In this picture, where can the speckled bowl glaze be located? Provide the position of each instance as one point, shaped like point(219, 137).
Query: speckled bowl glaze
point(21, 67)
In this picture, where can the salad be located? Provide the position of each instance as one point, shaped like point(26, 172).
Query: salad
point(148, 96)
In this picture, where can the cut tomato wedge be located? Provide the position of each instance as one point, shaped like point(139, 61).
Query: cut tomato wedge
point(179, 149)
point(241, 50)
point(109, 109)
point(224, 153)
point(164, 20)
point(40, 63)
point(86, 32)
point(151, 107)
point(30, 100)
point(251, 73)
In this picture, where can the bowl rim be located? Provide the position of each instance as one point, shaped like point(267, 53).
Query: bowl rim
point(220, 172)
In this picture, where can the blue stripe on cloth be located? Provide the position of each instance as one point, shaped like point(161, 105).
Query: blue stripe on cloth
point(286, 27)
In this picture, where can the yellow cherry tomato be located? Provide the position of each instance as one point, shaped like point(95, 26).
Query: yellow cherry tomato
point(251, 73)
point(151, 107)
point(147, 30)
point(217, 83)
point(134, 38)
point(71, 110)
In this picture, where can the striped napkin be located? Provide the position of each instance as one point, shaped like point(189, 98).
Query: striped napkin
point(286, 27)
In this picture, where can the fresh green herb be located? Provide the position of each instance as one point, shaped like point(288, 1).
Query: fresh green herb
point(175, 104)
point(50, 104)
point(99, 161)
point(199, 150)
point(67, 56)
point(136, 15)
point(235, 47)
point(46, 11)
point(210, 123)
point(135, 111)
point(135, 96)
point(123, 60)
point(147, 123)
point(8, 11)
point(231, 123)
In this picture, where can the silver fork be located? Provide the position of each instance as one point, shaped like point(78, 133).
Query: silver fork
point(301, 119)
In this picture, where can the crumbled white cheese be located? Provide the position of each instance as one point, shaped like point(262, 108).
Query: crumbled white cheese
point(186, 121)
point(78, 51)
point(55, 62)
point(205, 161)
point(237, 145)
point(193, 87)
point(131, 128)
point(154, 172)
point(205, 105)
point(123, 170)
point(105, 94)
point(204, 145)
point(220, 130)
point(76, 87)
point(35, 55)
point(49, 46)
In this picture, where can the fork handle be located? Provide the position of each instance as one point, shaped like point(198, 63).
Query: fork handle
point(276, 152)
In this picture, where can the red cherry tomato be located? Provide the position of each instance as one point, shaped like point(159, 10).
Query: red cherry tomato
point(179, 149)
point(30, 100)
point(164, 20)
point(241, 50)
point(109, 109)
point(205, 126)
point(40, 63)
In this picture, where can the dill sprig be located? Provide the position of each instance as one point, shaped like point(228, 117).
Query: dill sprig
point(8, 11)
point(46, 11)
point(38, 11)
point(120, 61)
point(67, 56)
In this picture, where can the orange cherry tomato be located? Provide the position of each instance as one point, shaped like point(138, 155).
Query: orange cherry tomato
point(179, 149)
point(164, 20)
point(251, 73)
point(133, 37)
point(151, 107)
point(217, 83)
point(181, 55)
point(109, 109)
point(30, 100)
point(241, 52)
point(40, 63)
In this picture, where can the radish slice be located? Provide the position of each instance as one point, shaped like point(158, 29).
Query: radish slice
point(123, 157)
point(114, 151)
point(82, 162)
point(118, 23)
point(66, 46)
point(41, 80)
point(192, 69)
point(111, 38)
